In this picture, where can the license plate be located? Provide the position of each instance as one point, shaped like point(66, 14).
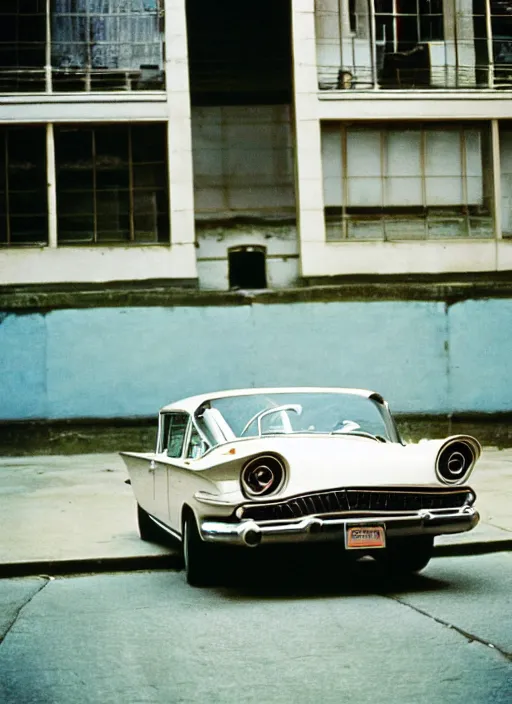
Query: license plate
point(358, 537)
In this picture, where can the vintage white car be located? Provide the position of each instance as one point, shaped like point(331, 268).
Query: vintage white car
point(256, 467)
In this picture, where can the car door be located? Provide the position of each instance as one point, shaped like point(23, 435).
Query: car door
point(184, 481)
point(175, 428)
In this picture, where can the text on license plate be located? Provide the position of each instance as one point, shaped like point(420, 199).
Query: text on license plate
point(365, 537)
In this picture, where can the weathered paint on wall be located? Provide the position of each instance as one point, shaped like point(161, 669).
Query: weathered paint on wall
point(481, 355)
point(125, 362)
point(281, 248)
point(23, 384)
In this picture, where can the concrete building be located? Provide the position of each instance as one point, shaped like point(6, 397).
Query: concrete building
point(253, 145)
point(268, 144)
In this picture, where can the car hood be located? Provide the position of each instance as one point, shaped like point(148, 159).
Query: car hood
point(326, 462)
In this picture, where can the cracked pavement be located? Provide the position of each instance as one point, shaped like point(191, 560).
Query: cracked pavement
point(290, 636)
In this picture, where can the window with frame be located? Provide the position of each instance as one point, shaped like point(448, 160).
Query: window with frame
point(412, 182)
point(175, 432)
point(414, 44)
point(22, 45)
point(95, 45)
point(23, 190)
point(196, 445)
point(506, 177)
point(112, 184)
point(406, 31)
point(107, 44)
point(405, 23)
point(501, 23)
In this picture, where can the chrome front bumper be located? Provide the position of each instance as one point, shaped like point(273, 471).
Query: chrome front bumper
point(324, 528)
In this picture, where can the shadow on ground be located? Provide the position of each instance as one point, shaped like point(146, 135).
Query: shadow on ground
point(300, 575)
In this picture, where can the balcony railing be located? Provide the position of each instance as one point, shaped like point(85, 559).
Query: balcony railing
point(437, 44)
point(81, 45)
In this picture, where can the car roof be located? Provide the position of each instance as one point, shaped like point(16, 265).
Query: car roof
point(192, 402)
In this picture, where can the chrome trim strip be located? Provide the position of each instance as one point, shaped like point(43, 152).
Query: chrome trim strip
point(316, 528)
point(165, 527)
point(356, 515)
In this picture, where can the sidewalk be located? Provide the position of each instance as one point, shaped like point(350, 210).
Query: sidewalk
point(74, 513)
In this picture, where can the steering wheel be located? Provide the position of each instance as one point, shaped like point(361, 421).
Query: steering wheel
point(295, 407)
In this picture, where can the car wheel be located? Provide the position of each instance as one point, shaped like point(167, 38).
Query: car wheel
point(198, 556)
point(148, 529)
point(407, 555)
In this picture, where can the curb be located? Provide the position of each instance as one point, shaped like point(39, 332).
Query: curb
point(90, 565)
point(173, 561)
point(483, 547)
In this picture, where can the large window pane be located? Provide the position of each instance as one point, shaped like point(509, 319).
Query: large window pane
point(103, 195)
point(412, 183)
point(22, 45)
point(506, 177)
point(23, 197)
point(107, 44)
point(364, 153)
point(414, 44)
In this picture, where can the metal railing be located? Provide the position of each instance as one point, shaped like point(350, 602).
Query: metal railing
point(82, 45)
point(442, 44)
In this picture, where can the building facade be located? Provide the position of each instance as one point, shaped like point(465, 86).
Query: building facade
point(253, 145)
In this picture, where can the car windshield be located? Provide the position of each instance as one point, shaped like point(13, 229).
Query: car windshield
point(303, 412)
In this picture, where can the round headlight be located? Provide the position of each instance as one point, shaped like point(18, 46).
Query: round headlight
point(262, 476)
point(455, 461)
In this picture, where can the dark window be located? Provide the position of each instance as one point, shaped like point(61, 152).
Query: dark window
point(405, 23)
point(431, 20)
point(501, 18)
point(247, 267)
point(22, 45)
point(352, 15)
point(112, 184)
point(23, 198)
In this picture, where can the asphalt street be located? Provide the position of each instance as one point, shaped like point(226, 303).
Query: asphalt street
point(295, 636)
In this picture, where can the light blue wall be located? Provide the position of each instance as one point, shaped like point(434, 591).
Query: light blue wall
point(481, 355)
point(111, 362)
point(23, 392)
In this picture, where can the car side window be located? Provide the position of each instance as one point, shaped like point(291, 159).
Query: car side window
point(196, 446)
point(177, 430)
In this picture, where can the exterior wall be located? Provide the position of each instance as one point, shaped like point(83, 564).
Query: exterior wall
point(316, 43)
point(332, 258)
point(240, 155)
point(425, 357)
point(96, 264)
point(279, 240)
point(308, 159)
point(54, 264)
point(243, 161)
point(243, 171)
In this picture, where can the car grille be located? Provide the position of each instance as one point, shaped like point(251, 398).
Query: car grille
point(342, 500)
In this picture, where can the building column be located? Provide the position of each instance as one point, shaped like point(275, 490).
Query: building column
point(496, 179)
point(51, 186)
point(179, 131)
point(308, 160)
point(459, 44)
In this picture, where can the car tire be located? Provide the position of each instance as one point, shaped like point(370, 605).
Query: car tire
point(407, 555)
point(148, 530)
point(198, 556)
